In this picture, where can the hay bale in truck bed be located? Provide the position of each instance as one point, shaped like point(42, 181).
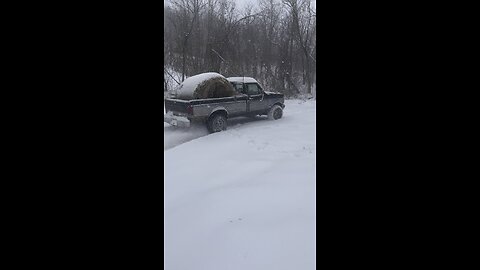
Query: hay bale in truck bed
point(216, 87)
point(205, 85)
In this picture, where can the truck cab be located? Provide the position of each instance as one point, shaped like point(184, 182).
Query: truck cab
point(254, 92)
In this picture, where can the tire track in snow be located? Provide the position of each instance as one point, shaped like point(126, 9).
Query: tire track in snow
point(175, 136)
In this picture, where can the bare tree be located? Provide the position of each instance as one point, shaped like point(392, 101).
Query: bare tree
point(188, 15)
point(302, 20)
point(274, 41)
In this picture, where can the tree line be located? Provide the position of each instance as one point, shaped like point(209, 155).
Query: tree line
point(274, 41)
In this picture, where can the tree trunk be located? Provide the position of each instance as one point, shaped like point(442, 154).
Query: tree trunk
point(184, 55)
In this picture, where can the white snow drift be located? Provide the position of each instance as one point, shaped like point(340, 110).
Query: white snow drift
point(243, 198)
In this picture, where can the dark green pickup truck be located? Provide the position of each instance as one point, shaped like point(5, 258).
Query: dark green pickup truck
point(250, 100)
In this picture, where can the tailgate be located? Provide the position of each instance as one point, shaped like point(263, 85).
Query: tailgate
point(176, 105)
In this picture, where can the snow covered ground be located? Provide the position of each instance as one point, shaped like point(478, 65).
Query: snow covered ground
point(243, 198)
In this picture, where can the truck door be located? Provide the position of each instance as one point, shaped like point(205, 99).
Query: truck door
point(255, 98)
point(239, 106)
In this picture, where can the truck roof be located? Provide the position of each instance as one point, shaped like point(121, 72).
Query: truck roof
point(242, 79)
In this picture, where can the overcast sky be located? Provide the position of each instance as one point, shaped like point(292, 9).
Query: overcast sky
point(242, 3)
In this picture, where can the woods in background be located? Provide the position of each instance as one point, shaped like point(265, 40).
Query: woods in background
point(274, 42)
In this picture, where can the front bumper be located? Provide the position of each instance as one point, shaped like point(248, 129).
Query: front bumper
point(175, 120)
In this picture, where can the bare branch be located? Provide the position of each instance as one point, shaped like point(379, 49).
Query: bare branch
point(219, 55)
point(171, 75)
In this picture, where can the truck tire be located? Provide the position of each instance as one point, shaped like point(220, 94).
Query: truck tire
point(275, 113)
point(217, 123)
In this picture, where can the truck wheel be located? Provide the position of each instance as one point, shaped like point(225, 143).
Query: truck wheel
point(276, 112)
point(217, 123)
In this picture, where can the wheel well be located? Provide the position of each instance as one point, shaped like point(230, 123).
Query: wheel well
point(218, 112)
point(278, 103)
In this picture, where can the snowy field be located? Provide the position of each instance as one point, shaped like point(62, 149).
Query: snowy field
point(243, 198)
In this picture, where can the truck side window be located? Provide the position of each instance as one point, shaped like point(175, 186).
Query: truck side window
point(252, 89)
point(238, 87)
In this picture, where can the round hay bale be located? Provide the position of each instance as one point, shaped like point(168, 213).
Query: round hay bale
point(205, 85)
point(216, 87)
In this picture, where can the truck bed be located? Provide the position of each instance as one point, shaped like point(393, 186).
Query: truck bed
point(180, 106)
point(176, 105)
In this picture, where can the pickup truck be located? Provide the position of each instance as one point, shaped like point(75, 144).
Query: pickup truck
point(250, 100)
